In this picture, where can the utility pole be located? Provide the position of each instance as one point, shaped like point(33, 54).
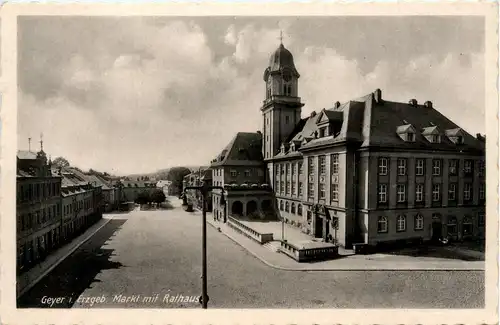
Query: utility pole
point(204, 189)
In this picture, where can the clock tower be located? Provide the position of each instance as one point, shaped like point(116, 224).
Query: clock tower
point(282, 108)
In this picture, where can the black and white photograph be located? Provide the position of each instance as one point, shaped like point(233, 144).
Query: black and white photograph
point(254, 161)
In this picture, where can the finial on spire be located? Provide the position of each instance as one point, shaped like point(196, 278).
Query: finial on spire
point(41, 141)
point(29, 144)
point(281, 37)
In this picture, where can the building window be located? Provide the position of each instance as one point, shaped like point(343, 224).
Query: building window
point(382, 193)
point(468, 166)
point(452, 225)
point(410, 136)
point(277, 185)
point(335, 163)
point(480, 218)
point(467, 227)
point(382, 166)
point(247, 173)
point(401, 192)
point(322, 193)
point(420, 167)
point(335, 192)
point(482, 191)
point(311, 190)
point(435, 138)
point(292, 209)
point(282, 169)
point(481, 167)
point(233, 173)
point(287, 186)
point(402, 166)
point(322, 165)
point(436, 167)
point(287, 207)
point(467, 191)
point(277, 172)
point(382, 224)
point(301, 189)
point(310, 166)
point(301, 169)
point(453, 166)
point(419, 222)
point(419, 192)
point(452, 192)
point(287, 119)
point(281, 205)
point(436, 192)
point(294, 189)
point(401, 223)
point(299, 209)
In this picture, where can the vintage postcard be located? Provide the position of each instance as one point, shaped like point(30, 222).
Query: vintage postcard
point(270, 163)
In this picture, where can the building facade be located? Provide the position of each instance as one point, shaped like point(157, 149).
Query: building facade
point(199, 178)
point(365, 171)
point(129, 190)
point(38, 209)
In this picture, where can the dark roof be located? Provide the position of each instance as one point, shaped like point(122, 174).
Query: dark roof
point(378, 123)
point(244, 149)
point(281, 59)
point(139, 183)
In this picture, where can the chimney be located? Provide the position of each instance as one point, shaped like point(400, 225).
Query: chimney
point(413, 102)
point(378, 96)
point(313, 113)
point(428, 104)
point(337, 104)
point(258, 132)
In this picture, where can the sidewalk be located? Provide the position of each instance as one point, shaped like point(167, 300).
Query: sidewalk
point(28, 279)
point(378, 262)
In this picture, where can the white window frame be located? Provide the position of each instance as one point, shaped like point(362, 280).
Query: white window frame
point(383, 166)
point(436, 167)
point(322, 164)
point(301, 188)
point(467, 191)
point(322, 191)
point(453, 166)
point(401, 193)
point(454, 191)
point(382, 220)
point(419, 192)
point(335, 192)
point(468, 166)
point(335, 163)
point(420, 169)
point(436, 195)
point(310, 166)
point(382, 193)
point(234, 173)
point(310, 190)
point(482, 191)
point(402, 163)
point(401, 223)
point(419, 222)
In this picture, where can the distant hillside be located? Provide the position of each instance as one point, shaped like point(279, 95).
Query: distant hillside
point(161, 174)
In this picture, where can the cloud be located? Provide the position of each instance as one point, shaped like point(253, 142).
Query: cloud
point(145, 95)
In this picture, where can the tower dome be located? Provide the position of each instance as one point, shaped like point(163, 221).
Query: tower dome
point(280, 60)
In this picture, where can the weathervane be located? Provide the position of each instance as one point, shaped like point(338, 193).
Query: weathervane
point(41, 141)
point(281, 36)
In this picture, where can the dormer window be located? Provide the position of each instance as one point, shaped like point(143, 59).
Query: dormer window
point(406, 132)
point(435, 138)
point(432, 134)
point(456, 135)
point(410, 137)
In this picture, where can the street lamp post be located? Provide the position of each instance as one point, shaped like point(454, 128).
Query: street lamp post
point(204, 189)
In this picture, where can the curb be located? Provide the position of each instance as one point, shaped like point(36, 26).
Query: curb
point(340, 269)
point(62, 258)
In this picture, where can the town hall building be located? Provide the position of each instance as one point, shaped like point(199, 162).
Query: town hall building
point(368, 170)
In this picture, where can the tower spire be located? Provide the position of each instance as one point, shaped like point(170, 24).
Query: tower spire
point(281, 37)
point(41, 141)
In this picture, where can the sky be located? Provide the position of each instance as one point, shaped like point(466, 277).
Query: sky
point(137, 94)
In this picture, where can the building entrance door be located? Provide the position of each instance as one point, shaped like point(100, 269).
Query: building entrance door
point(436, 230)
point(318, 233)
point(326, 230)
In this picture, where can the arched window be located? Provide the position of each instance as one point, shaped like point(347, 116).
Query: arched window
point(287, 207)
point(281, 205)
point(401, 223)
point(299, 209)
point(293, 208)
point(382, 224)
point(419, 222)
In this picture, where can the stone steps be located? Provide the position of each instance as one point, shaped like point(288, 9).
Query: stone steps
point(273, 246)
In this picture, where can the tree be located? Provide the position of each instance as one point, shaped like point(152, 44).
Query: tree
point(143, 198)
point(176, 175)
point(60, 162)
point(157, 196)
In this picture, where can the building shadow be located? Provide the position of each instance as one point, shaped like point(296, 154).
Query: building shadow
point(433, 251)
point(76, 273)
